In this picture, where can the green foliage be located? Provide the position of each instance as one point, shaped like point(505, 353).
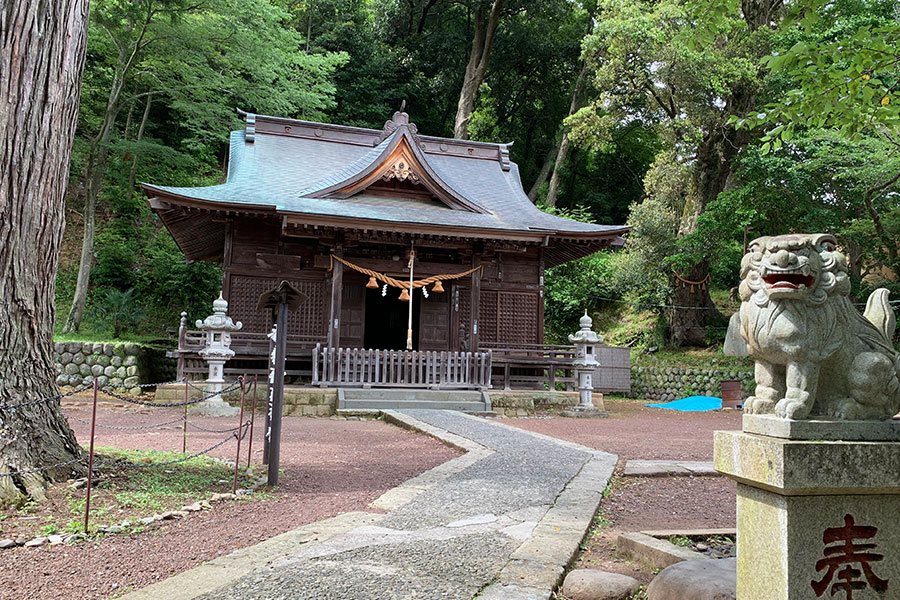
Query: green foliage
point(641, 272)
point(680, 540)
point(115, 310)
point(816, 182)
point(840, 73)
point(572, 288)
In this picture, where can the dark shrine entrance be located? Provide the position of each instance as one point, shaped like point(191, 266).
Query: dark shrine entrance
point(387, 318)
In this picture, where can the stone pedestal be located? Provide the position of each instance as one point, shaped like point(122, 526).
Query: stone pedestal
point(585, 341)
point(214, 406)
point(818, 508)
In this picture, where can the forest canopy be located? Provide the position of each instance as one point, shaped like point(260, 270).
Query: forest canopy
point(700, 123)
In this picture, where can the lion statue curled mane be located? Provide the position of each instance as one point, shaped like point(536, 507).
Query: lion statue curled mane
point(815, 353)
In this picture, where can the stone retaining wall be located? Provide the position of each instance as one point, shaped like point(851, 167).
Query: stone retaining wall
point(298, 401)
point(123, 365)
point(523, 403)
point(665, 384)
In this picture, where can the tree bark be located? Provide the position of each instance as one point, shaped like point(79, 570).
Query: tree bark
point(543, 174)
point(692, 308)
point(886, 239)
point(42, 44)
point(563, 148)
point(482, 41)
point(132, 172)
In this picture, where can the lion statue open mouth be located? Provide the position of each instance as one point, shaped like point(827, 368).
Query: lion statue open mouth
point(815, 354)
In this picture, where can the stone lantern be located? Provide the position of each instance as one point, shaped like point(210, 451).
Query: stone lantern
point(586, 342)
point(218, 327)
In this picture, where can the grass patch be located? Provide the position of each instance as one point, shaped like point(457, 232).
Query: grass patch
point(155, 489)
point(680, 541)
point(122, 492)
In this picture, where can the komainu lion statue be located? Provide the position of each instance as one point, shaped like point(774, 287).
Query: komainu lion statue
point(815, 354)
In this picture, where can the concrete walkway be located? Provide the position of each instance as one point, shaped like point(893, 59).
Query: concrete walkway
point(500, 522)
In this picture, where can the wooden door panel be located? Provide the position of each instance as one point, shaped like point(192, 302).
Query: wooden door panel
point(434, 322)
point(353, 314)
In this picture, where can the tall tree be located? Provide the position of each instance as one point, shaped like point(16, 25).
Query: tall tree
point(485, 24)
point(42, 44)
point(563, 149)
point(205, 59)
point(687, 70)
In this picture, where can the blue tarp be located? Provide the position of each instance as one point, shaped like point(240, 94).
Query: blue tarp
point(692, 404)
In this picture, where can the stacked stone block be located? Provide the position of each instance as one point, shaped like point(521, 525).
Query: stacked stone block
point(115, 364)
point(664, 384)
point(298, 401)
point(524, 403)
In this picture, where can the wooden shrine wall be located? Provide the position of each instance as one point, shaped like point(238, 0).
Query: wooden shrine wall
point(510, 304)
point(257, 260)
point(510, 307)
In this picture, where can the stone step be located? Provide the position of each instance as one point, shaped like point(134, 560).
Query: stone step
point(392, 394)
point(401, 404)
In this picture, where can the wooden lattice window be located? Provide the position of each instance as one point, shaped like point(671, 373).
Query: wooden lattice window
point(309, 321)
point(517, 318)
point(487, 317)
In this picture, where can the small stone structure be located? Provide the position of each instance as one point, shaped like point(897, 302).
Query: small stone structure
point(663, 384)
point(123, 365)
point(586, 340)
point(218, 327)
point(817, 498)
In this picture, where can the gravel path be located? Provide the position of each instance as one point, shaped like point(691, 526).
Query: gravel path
point(448, 542)
point(331, 467)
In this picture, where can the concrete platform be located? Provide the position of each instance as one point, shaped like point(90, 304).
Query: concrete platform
point(663, 468)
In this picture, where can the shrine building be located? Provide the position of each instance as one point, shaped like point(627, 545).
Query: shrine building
point(341, 213)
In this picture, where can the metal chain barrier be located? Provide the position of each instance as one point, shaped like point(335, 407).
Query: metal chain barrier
point(112, 463)
point(237, 384)
point(195, 426)
point(43, 400)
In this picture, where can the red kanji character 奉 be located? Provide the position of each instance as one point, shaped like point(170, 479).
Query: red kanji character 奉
point(844, 552)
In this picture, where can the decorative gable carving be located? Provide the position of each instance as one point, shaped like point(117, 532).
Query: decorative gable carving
point(401, 161)
point(401, 172)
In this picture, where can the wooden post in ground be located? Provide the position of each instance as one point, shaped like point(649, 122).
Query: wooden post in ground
point(185, 420)
point(90, 473)
point(252, 419)
point(240, 432)
point(282, 299)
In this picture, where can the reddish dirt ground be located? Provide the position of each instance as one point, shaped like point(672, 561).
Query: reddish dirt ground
point(643, 503)
point(330, 467)
point(635, 431)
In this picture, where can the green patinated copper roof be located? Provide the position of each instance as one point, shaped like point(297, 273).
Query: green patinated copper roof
point(284, 165)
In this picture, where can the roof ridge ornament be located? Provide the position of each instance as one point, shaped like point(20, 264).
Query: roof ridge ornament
point(249, 125)
point(399, 120)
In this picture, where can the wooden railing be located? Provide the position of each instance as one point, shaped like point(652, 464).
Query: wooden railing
point(534, 366)
point(246, 345)
point(400, 368)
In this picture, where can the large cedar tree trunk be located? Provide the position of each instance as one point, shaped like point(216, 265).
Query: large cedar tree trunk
point(482, 42)
point(692, 306)
point(42, 46)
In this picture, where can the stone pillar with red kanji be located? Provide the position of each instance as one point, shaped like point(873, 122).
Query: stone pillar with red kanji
point(818, 507)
